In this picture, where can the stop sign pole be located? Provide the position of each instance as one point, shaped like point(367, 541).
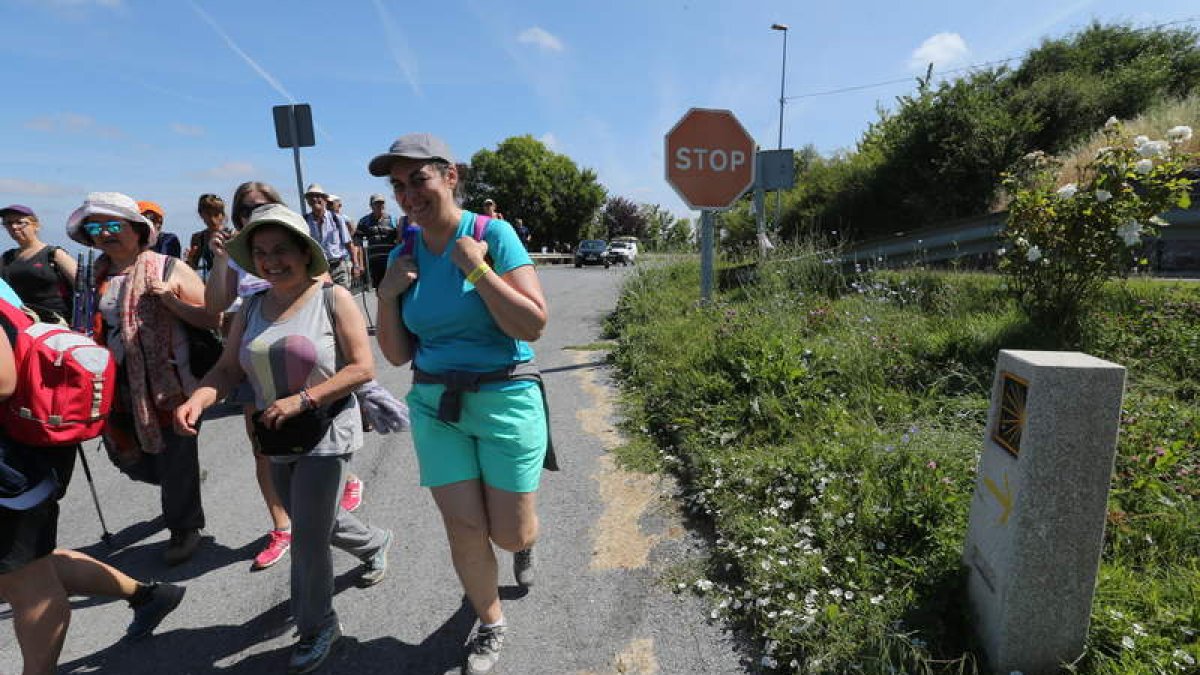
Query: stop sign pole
point(710, 163)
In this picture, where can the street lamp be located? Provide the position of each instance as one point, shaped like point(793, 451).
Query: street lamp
point(782, 78)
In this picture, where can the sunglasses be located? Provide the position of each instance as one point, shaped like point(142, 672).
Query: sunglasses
point(111, 227)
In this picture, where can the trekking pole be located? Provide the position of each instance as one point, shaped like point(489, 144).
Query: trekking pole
point(87, 471)
point(366, 283)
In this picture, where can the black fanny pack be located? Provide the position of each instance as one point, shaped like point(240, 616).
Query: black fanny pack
point(299, 434)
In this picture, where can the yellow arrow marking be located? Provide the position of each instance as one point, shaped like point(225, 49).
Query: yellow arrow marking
point(1005, 498)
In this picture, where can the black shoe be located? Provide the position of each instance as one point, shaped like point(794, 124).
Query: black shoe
point(182, 546)
point(310, 652)
point(164, 598)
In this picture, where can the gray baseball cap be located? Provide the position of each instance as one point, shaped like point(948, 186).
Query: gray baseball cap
point(376, 198)
point(411, 146)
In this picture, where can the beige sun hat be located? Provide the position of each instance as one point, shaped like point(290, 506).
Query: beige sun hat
point(112, 204)
point(239, 246)
point(316, 189)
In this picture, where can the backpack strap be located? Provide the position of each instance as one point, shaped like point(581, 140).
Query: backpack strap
point(481, 224)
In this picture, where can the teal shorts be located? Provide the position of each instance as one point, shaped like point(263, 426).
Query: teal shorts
point(500, 437)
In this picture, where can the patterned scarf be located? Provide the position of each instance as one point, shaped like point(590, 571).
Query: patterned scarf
point(146, 330)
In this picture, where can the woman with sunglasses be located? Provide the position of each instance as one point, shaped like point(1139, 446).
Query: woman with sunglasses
point(142, 300)
point(43, 275)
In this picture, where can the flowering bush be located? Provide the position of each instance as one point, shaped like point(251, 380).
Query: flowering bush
point(1064, 242)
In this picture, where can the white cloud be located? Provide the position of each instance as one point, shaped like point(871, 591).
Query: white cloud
point(20, 186)
point(549, 140)
point(73, 123)
point(187, 129)
point(227, 171)
point(944, 50)
point(539, 37)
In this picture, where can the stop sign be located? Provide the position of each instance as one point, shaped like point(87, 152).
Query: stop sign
point(710, 158)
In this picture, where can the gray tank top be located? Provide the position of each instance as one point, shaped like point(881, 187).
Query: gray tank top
point(280, 358)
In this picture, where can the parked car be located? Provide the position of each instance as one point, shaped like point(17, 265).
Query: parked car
point(592, 252)
point(622, 251)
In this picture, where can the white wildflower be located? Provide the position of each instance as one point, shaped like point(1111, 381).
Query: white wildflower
point(1139, 141)
point(1034, 254)
point(1158, 222)
point(1111, 122)
point(1179, 134)
point(704, 585)
point(1143, 167)
point(1130, 233)
point(876, 599)
point(1183, 657)
point(769, 662)
point(1153, 149)
point(1067, 191)
point(1127, 642)
point(1138, 630)
point(1103, 196)
point(1001, 251)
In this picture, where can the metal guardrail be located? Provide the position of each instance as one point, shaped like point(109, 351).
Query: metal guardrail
point(982, 236)
point(552, 258)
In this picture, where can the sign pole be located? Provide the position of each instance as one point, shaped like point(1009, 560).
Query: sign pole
point(296, 158)
point(706, 255)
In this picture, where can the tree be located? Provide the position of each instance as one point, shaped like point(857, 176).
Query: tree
point(547, 191)
point(622, 218)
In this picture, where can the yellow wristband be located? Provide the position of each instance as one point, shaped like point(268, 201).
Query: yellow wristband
point(478, 273)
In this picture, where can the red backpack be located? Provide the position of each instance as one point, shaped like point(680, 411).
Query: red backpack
point(65, 383)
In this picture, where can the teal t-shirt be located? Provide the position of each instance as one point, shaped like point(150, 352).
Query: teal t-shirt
point(454, 329)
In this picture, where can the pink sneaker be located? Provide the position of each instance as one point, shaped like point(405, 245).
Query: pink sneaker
point(278, 543)
point(352, 494)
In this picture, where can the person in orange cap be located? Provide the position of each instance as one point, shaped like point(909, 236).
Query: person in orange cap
point(167, 243)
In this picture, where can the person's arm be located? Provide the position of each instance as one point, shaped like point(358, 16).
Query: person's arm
point(67, 266)
point(8, 368)
point(183, 295)
point(394, 339)
point(515, 300)
point(220, 289)
point(358, 367)
point(217, 383)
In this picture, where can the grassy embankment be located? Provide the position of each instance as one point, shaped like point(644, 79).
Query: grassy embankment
point(829, 428)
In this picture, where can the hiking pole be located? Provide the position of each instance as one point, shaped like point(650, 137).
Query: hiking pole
point(87, 471)
point(366, 283)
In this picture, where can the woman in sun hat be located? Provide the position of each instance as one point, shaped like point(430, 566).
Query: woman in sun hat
point(142, 301)
point(303, 346)
point(43, 275)
point(478, 414)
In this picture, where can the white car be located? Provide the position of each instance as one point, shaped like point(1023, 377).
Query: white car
point(624, 252)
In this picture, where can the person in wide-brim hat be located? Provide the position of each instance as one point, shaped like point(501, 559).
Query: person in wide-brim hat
point(112, 204)
point(239, 246)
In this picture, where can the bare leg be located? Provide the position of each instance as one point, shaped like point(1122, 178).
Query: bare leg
point(512, 518)
point(81, 574)
point(262, 472)
point(465, 516)
point(41, 613)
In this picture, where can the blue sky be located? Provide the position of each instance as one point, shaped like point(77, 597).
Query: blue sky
point(167, 99)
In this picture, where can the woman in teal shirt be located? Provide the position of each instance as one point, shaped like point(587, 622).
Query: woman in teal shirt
point(478, 415)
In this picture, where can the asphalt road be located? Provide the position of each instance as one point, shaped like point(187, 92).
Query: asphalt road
point(603, 602)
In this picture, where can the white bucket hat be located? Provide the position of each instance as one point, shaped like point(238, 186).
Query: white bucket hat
point(107, 204)
point(239, 246)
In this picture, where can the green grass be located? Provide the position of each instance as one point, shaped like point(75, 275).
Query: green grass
point(829, 428)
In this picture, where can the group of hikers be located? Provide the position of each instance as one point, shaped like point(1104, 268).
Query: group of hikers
point(458, 297)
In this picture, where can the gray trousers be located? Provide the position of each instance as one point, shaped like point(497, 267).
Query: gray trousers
point(311, 489)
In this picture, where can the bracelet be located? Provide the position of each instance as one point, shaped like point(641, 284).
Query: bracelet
point(479, 272)
point(306, 401)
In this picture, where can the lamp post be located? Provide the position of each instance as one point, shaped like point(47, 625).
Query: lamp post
point(782, 78)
